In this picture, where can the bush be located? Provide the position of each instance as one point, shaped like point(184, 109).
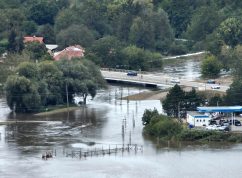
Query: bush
point(211, 66)
point(163, 126)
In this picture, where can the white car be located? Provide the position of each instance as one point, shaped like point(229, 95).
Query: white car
point(175, 80)
point(212, 127)
point(216, 127)
point(215, 87)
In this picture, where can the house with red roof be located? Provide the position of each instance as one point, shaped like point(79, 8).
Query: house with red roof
point(69, 53)
point(28, 39)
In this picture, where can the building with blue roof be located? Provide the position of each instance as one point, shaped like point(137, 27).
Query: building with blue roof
point(203, 115)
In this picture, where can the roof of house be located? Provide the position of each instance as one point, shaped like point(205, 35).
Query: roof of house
point(33, 39)
point(228, 109)
point(69, 52)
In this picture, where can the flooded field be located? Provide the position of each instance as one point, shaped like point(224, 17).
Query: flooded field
point(106, 122)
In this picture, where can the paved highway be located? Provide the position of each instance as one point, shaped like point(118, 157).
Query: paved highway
point(159, 79)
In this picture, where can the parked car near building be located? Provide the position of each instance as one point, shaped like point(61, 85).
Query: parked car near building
point(235, 122)
point(215, 87)
point(217, 127)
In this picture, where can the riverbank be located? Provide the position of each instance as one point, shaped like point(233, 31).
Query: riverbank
point(57, 111)
point(147, 95)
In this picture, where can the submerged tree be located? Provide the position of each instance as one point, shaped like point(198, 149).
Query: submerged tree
point(36, 86)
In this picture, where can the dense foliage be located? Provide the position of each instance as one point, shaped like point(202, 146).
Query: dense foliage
point(210, 67)
point(177, 102)
point(36, 86)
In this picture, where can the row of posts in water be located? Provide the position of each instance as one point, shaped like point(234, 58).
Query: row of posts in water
point(102, 152)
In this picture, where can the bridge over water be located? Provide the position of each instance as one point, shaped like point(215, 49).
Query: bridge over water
point(153, 80)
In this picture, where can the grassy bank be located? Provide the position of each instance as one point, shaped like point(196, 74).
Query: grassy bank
point(56, 110)
point(147, 95)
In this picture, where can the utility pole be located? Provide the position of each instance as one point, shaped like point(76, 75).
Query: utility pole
point(179, 116)
point(67, 98)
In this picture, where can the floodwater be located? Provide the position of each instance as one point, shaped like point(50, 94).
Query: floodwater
point(106, 122)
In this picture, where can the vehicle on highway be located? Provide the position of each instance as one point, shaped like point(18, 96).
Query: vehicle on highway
point(175, 80)
point(210, 81)
point(215, 87)
point(132, 73)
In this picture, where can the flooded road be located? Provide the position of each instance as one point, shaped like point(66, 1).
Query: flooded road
point(106, 122)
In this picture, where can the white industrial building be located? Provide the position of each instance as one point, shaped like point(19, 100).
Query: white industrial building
point(197, 119)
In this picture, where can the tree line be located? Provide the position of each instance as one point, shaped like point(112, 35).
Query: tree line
point(35, 87)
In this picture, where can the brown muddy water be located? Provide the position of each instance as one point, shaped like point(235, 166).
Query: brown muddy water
point(107, 122)
point(100, 125)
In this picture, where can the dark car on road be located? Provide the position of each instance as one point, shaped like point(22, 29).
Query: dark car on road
point(132, 73)
point(211, 81)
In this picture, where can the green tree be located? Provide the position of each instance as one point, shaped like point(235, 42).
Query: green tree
point(107, 51)
point(174, 101)
point(210, 66)
point(43, 12)
point(180, 13)
point(230, 31)
point(216, 100)
point(75, 34)
point(135, 57)
point(77, 79)
point(22, 95)
point(47, 31)
point(52, 83)
point(66, 18)
point(15, 42)
point(94, 15)
point(203, 22)
point(148, 115)
point(37, 50)
point(192, 101)
point(163, 127)
point(142, 33)
point(28, 70)
point(234, 94)
point(29, 27)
